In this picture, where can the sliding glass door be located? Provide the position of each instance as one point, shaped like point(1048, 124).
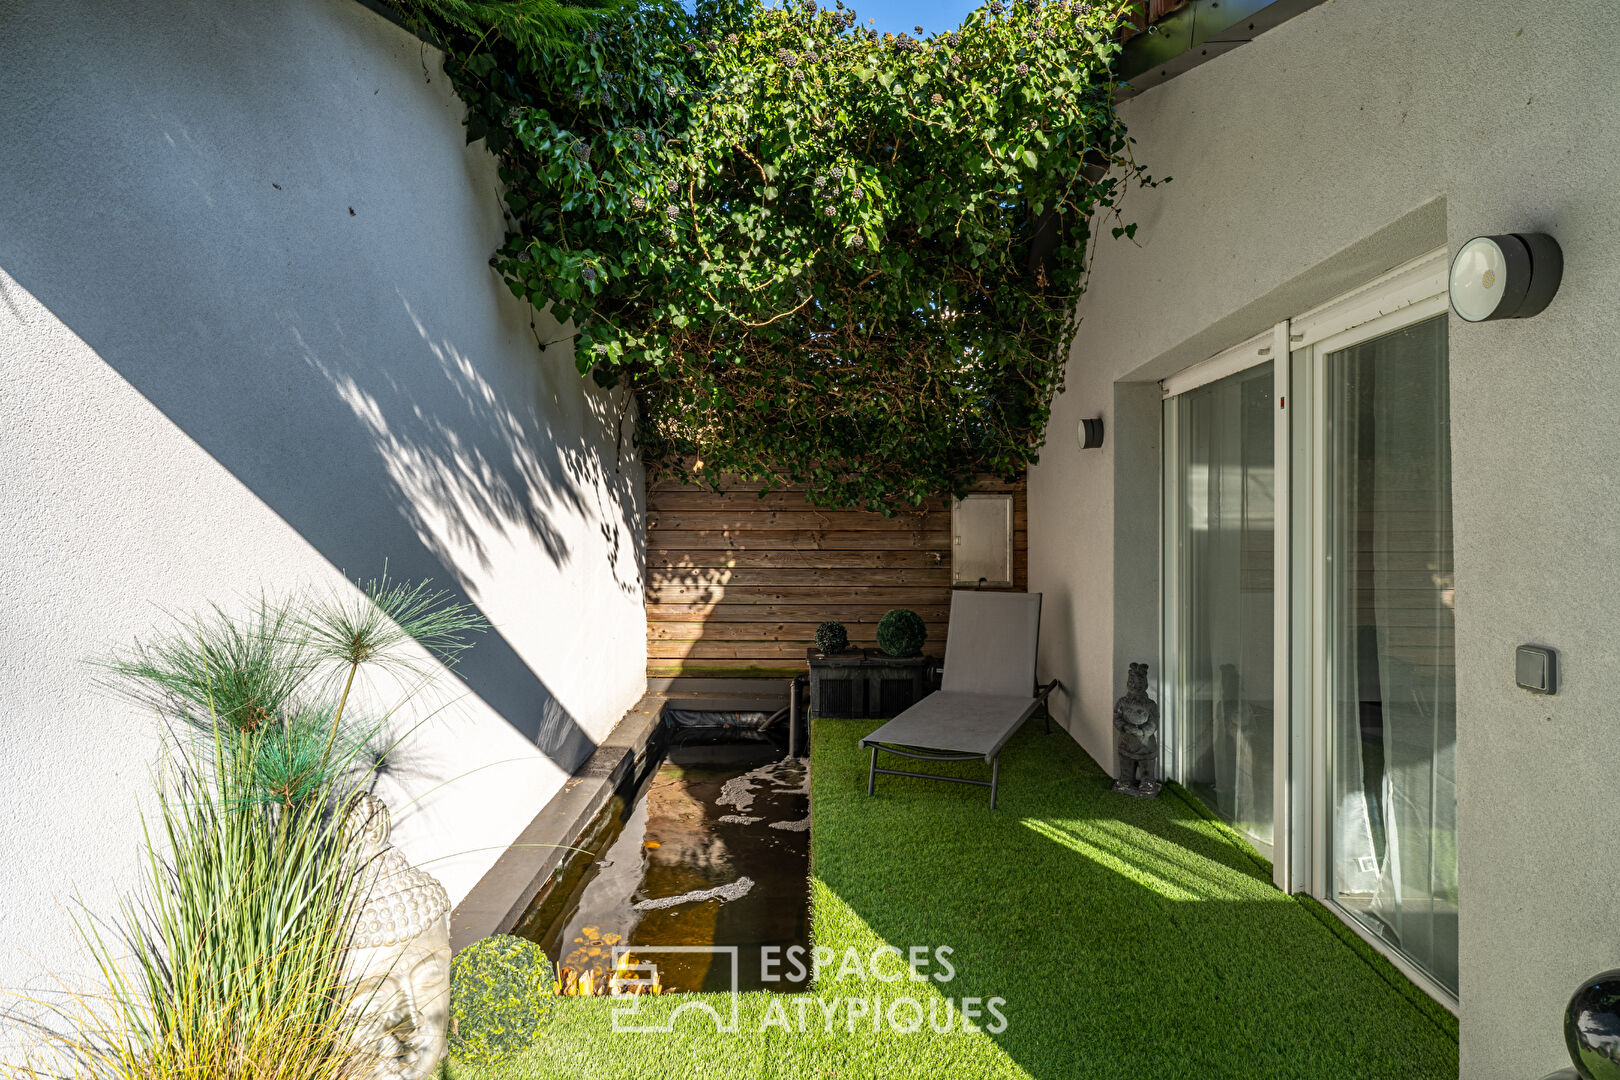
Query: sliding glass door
point(1390, 675)
point(1222, 560)
point(1308, 675)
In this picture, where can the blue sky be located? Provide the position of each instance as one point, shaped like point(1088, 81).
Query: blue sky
point(894, 16)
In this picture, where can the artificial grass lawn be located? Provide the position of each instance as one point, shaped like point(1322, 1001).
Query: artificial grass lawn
point(1129, 938)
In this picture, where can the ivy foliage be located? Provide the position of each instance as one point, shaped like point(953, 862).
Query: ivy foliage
point(527, 24)
point(817, 255)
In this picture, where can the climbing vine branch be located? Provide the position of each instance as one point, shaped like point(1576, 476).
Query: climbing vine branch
point(816, 254)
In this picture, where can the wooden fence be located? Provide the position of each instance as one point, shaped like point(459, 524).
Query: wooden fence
point(738, 582)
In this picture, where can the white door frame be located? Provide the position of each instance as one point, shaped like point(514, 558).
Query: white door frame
point(1409, 293)
point(1412, 294)
point(1271, 346)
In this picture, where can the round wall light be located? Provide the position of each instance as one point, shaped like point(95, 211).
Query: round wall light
point(1512, 276)
point(1091, 433)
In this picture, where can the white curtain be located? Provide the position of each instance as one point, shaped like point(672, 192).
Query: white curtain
point(1395, 723)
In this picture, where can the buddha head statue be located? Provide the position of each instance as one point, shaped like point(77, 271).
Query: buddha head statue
point(397, 968)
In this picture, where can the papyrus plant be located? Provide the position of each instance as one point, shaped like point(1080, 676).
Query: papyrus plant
point(226, 963)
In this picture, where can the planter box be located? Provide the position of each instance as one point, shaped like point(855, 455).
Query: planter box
point(837, 683)
point(895, 684)
point(862, 683)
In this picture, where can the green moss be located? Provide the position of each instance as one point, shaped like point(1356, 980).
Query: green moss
point(500, 995)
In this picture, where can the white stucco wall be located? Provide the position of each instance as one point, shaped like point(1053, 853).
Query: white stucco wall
point(1357, 135)
point(249, 338)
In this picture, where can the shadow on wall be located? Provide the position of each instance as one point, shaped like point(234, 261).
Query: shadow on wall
point(263, 217)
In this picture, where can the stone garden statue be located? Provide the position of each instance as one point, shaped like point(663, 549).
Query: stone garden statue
point(398, 966)
point(1136, 728)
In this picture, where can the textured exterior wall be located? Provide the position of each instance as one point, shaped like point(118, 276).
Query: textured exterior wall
point(248, 337)
point(1357, 135)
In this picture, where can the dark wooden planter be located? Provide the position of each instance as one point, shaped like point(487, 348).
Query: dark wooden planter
point(837, 683)
point(866, 683)
point(895, 684)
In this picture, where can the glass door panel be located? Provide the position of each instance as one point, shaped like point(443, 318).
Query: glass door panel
point(1390, 669)
point(1223, 557)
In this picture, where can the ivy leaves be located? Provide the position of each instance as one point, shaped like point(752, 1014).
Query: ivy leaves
point(818, 255)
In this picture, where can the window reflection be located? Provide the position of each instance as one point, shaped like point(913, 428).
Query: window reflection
point(1224, 653)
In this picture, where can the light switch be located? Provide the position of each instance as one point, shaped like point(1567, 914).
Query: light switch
point(1536, 669)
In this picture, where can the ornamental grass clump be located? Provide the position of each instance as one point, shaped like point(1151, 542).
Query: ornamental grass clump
point(227, 962)
point(835, 258)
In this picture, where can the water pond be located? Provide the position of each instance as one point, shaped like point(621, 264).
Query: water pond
point(711, 847)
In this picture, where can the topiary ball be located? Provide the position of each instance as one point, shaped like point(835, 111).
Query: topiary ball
point(500, 995)
point(901, 632)
point(831, 637)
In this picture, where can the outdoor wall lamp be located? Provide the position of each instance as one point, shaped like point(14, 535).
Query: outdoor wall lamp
point(1512, 276)
point(1091, 433)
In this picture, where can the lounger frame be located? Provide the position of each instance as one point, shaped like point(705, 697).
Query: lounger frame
point(993, 758)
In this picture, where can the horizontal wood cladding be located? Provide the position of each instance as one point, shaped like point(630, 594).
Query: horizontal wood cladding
point(736, 520)
point(854, 614)
point(732, 487)
point(826, 578)
point(714, 502)
point(738, 581)
point(762, 539)
point(859, 633)
point(767, 594)
point(797, 559)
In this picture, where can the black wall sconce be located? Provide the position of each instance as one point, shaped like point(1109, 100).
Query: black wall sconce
point(1512, 276)
point(1091, 433)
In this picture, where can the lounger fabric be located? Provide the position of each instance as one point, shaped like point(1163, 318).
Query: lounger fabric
point(978, 724)
point(991, 645)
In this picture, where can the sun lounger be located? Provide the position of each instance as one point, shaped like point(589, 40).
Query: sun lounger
point(987, 692)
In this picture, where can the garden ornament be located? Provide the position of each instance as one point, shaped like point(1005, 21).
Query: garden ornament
point(1592, 1030)
point(398, 965)
point(1136, 727)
